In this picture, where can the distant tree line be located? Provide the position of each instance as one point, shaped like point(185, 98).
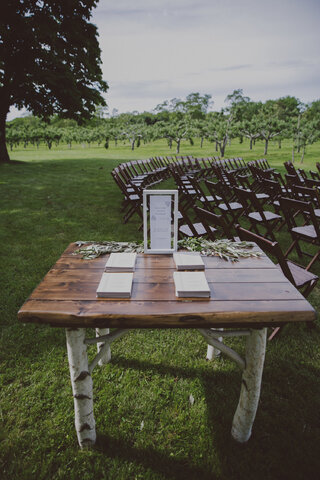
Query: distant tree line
point(176, 120)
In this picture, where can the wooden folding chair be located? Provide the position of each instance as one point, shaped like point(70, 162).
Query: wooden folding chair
point(227, 204)
point(186, 226)
point(301, 278)
point(308, 232)
point(256, 214)
point(214, 224)
point(132, 202)
point(312, 183)
point(207, 201)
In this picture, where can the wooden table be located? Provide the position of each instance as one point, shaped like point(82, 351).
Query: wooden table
point(246, 297)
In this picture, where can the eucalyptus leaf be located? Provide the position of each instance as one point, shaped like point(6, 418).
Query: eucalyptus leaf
point(225, 249)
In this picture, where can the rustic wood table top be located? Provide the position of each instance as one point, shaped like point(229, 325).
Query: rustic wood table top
point(250, 293)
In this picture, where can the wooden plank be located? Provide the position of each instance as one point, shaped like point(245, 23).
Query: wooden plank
point(68, 260)
point(174, 314)
point(82, 290)
point(241, 275)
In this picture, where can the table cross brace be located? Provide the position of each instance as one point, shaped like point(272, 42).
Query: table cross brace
point(212, 339)
point(106, 340)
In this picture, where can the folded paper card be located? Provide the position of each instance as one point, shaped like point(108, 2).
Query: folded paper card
point(191, 284)
point(188, 261)
point(115, 285)
point(121, 262)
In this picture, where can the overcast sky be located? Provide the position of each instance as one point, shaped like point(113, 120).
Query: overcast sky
point(153, 50)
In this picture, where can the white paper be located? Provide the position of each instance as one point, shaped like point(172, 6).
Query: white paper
point(191, 284)
point(115, 285)
point(188, 261)
point(160, 222)
point(121, 262)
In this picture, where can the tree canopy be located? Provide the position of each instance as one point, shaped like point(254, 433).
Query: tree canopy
point(50, 60)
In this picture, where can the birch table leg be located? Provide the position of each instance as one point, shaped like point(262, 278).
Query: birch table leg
point(250, 386)
point(107, 356)
point(81, 386)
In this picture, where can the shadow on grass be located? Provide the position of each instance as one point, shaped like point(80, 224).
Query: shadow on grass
point(15, 162)
point(286, 432)
point(150, 458)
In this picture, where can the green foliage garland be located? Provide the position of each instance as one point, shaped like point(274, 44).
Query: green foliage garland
point(226, 249)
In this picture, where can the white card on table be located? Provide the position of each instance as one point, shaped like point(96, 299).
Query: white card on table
point(115, 285)
point(121, 262)
point(188, 261)
point(191, 284)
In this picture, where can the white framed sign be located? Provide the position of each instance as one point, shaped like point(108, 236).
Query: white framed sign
point(160, 221)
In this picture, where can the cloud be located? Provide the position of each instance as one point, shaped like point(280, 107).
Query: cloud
point(153, 50)
point(231, 68)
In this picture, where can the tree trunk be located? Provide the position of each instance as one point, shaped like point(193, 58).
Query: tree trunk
point(201, 142)
point(132, 144)
point(4, 156)
point(266, 146)
point(178, 145)
point(302, 156)
point(250, 143)
point(222, 148)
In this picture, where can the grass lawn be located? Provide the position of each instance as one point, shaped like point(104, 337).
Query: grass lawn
point(146, 427)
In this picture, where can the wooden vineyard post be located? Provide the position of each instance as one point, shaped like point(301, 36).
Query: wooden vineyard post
point(81, 386)
point(107, 356)
point(250, 386)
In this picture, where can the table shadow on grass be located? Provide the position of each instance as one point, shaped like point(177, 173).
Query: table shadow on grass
point(151, 459)
point(156, 460)
point(285, 437)
point(283, 444)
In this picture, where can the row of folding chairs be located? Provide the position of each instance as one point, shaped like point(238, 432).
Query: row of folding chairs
point(267, 208)
point(214, 226)
point(132, 177)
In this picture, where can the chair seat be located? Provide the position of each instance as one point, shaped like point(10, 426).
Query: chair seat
point(199, 228)
point(300, 275)
point(307, 231)
point(208, 198)
point(134, 197)
point(233, 206)
point(262, 196)
point(268, 216)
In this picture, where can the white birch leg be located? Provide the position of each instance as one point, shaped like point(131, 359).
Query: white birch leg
point(250, 386)
point(107, 356)
point(213, 352)
point(81, 386)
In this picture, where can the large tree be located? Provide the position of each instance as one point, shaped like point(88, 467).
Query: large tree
point(49, 60)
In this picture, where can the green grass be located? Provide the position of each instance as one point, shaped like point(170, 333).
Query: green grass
point(51, 198)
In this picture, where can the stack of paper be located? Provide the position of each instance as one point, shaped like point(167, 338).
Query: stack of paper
point(121, 262)
point(115, 285)
point(188, 261)
point(191, 284)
